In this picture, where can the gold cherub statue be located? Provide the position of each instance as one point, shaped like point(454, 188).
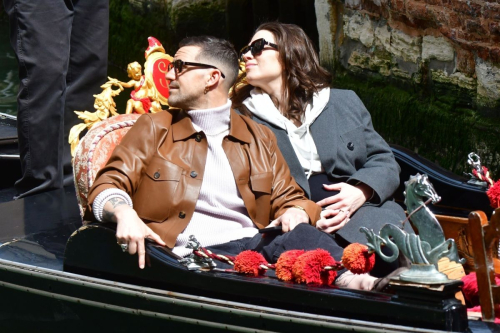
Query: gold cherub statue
point(141, 101)
point(150, 91)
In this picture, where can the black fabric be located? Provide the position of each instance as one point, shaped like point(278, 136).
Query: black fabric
point(369, 215)
point(302, 237)
point(62, 50)
point(318, 192)
point(388, 212)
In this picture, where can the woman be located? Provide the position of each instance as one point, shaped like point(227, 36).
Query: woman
point(325, 135)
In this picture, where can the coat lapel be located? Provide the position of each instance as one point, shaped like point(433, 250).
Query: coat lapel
point(325, 134)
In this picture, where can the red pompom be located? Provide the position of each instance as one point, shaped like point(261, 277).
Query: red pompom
point(476, 309)
point(248, 262)
point(309, 268)
point(357, 259)
point(470, 289)
point(471, 294)
point(284, 266)
point(494, 195)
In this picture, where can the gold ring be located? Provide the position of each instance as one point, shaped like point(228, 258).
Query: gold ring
point(142, 252)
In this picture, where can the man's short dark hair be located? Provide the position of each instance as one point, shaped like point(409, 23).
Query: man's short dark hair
point(219, 52)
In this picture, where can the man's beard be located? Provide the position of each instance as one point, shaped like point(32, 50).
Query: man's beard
point(181, 101)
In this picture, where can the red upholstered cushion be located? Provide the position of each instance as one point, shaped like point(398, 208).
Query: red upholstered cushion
point(94, 150)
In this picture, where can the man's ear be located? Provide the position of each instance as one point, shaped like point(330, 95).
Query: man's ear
point(214, 78)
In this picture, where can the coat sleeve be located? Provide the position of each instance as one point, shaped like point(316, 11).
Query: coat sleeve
point(127, 162)
point(380, 171)
point(286, 193)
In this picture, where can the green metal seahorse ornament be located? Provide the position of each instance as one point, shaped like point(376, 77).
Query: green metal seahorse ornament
point(423, 250)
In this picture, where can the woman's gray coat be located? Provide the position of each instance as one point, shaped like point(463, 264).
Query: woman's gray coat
point(350, 151)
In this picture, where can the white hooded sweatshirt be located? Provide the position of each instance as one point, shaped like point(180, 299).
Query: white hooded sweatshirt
point(261, 105)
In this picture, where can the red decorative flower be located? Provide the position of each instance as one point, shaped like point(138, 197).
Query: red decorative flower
point(310, 268)
point(357, 258)
point(470, 289)
point(494, 195)
point(284, 266)
point(249, 262)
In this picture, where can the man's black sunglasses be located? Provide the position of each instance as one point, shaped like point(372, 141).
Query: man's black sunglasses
point(178, 64)
point(256, 47)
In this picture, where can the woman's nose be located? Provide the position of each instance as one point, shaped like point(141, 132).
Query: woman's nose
point(246, 56)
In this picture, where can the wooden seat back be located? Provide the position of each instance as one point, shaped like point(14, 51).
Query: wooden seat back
point(485, 236)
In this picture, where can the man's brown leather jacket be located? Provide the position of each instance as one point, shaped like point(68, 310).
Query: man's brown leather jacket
point(160, 163)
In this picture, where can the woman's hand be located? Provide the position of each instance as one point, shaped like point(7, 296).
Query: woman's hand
point(131, 230)
point(290, 219)
point(332, 220)
point(338, 208)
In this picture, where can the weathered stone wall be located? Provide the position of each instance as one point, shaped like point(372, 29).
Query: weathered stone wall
point(443, 55)
point(450, 41)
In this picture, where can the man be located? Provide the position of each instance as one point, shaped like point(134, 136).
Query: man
point(204, 170)
point(62, 52)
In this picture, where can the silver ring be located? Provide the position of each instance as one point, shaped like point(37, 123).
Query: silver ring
point(124, 247)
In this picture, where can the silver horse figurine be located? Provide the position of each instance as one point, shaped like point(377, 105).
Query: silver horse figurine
point(423, 250)
point(193, 262)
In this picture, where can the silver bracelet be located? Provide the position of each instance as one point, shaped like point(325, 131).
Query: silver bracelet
point(105, 196)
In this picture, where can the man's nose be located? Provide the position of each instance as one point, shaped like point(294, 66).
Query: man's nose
point(170, 75)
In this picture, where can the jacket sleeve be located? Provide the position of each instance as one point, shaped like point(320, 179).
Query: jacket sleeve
point(127, 162)
point(286, 193)
point(380, 171)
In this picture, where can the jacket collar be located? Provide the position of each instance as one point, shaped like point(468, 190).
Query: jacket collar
point(238, 128)
point(182, 127)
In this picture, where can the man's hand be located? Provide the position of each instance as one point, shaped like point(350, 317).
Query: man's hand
point(130, 229)
point(337, 209)
point(290, 219)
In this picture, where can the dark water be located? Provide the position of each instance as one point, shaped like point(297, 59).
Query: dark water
point(9, 81)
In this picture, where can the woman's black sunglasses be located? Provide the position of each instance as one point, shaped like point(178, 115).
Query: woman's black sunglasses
point(178, 64)
point(256, 47)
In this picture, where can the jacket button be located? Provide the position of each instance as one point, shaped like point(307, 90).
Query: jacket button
point(350, 146)
point(156, 175)
point(182, 215)
point(193, 174)
point(198, 137)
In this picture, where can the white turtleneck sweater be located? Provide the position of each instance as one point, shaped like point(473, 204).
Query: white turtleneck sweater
point(220, 214)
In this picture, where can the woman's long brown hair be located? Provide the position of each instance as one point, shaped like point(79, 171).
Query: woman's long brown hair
point(302, 74)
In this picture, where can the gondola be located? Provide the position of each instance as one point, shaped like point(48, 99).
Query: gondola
point(56, 275)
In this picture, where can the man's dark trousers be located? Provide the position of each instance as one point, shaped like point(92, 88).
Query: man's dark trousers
point(62, 51)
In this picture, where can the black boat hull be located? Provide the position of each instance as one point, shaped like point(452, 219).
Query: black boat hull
point(437, 310)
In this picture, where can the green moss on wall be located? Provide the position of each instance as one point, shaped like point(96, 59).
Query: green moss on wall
point(3, 14)
point(132, 22)
point(131, 25)
point(203, 18)
point(439, 126)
